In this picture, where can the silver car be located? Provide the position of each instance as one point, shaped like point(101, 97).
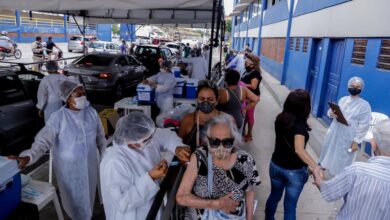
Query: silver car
point(77, 44)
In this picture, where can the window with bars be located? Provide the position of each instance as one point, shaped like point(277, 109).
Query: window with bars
point(298, 44)
point(305, 43)
point(384, 56)
point(359, 51)
point(292, 43)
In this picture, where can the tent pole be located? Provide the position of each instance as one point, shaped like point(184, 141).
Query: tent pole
point(85, 45)
point(220, 45)
point(212, 38)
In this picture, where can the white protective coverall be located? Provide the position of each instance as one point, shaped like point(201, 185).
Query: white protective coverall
point(334, 154)
point(74, 139)
point(49, 94)
point(128, 190)
point(239, 62)
point(166, 83)
point(199, 67)
point(206, 56)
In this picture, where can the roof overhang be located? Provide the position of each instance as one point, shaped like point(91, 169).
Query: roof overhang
point(239, 8)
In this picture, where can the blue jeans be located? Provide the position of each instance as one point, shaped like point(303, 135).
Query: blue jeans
point(292, 181)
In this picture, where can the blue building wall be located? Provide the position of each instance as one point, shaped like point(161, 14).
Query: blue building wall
point(271, 66)
point(103, 32)
point(276, 13)
point(308, 6)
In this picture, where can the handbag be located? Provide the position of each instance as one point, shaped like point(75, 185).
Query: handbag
point(212, 214)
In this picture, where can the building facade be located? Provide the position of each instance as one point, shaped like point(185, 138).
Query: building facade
point(23, 26)
point(318, 45)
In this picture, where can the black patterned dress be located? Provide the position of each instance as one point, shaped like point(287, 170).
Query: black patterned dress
point(241, 178)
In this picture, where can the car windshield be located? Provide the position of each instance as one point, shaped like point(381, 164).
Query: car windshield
point(146, 51)
point(173, 46)
point(11, 90)
point(96, 45)
point(76, 38)
point(95, 60)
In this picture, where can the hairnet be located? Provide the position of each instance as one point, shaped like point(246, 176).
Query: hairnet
point(166, 64)
point(133, 128)
point(51, 66)
point(381, 134)
point(356, 80)
point(66, 89)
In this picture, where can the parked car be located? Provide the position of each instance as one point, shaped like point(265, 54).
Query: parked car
point(103, 46)
point(149, 55)
point(77, 44)
point(19, 120)
point(175, 48)
point(103, 73)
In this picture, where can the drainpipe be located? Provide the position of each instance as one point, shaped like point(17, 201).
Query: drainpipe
point(17, 19)
point(263, 7)
point(65, 28)
point(287, 45)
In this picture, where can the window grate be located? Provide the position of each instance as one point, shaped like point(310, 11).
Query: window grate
point(305, 43)
point(359, 52)
point(292, 43)
point(298, 44)
point(384, 56)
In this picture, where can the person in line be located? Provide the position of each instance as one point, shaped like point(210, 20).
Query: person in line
point(132, 49)
point(187, 50)
point(199, 66)
point(248, 48)
point(237, 63)
point(49, 48)
point(124, 47)
point(206, 54)
point(74, 134)
point(290, 161)
point(341, 141)
point(48, 95)
point(221, 178)
point(6, 42)
point(165, 83)
point(191, 127)
point(232, 96)
point(131, 170)
point(38, 55)
point(364, 186)
point(251, 79)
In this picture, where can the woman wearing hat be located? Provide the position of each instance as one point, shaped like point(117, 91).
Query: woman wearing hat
point(74, 134)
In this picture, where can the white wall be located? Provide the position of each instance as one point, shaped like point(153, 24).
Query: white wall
point(254, 32)
point(275, 30)
point(357, 18)
point(240, 34)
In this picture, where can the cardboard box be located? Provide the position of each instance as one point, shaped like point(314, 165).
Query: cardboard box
point(109, 118)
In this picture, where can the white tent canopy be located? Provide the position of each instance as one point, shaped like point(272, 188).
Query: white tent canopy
point(193, 13)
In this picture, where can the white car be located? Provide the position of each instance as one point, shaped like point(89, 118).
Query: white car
point(77, 44)
point(175, 48)
point(103, 46)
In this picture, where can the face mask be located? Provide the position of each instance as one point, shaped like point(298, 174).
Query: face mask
point(354, 91)
point(206, 107)
point(248, 68)
point(81, 102)
point(220, 152)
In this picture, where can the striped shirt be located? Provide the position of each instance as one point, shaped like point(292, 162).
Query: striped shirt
point(365, 188)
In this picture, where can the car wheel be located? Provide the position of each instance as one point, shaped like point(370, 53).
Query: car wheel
point(119, 91)
point(18, 54)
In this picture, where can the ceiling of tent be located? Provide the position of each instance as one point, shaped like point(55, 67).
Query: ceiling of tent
point(192, 13)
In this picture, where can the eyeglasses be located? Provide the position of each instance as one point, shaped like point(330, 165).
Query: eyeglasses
point(215, 142)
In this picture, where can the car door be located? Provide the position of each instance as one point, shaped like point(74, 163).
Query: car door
point(124, 70)
point(19, 120)
point(137, 73)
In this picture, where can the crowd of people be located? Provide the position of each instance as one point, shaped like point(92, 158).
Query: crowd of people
point(221, 178)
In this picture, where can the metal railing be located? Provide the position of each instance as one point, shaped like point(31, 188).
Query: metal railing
point(168, 189)
point(41, 22)
point(7, 20)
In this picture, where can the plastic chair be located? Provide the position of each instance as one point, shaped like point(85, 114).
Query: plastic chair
point(375, 118)
point(45, 194)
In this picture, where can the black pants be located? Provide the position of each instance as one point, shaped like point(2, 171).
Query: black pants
point(25, 211)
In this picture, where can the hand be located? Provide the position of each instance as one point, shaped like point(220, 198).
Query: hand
point(226, 203)
point(159, 171)
point(152, 84)
point(23, 161)
point(333, 115)
point(318, 174)
point(354, 146)
point(40, 113)
point(183, 153)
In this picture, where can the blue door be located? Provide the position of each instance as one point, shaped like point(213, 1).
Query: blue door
point(314, 68)
point(332, 78)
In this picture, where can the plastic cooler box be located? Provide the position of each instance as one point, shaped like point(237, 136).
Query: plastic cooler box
point(145, 94)
point(191, 87)
point(176, 71)
point(179, 88)
point(10, 187)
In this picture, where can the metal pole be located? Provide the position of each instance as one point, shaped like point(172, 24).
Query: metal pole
point(212, 38)
point(84, 45)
